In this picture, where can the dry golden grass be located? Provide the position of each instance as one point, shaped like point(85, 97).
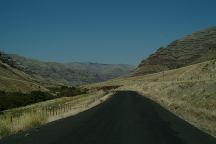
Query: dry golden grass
point(23, 118)
point(188, 92)
point(14, 80)
point(25, 121)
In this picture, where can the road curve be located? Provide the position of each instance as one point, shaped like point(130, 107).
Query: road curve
point(126, 118)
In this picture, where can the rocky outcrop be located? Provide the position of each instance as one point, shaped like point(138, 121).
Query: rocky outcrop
point(195, 48)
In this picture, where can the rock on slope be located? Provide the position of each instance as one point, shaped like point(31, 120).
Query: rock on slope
point(197, 47)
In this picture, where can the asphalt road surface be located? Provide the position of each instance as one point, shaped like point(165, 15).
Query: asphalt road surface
point(126, 118)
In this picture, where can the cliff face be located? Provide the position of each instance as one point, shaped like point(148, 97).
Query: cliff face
point(197, 47)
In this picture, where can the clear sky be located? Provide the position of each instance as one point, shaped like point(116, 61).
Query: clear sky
point(104, 31)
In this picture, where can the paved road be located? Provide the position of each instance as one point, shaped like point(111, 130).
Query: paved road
point(127, 118)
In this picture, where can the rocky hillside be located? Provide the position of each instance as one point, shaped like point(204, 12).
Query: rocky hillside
point(71, 73)
point(197, 47)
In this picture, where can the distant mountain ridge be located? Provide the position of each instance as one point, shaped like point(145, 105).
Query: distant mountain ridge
point(70, 73)
point(197, 47)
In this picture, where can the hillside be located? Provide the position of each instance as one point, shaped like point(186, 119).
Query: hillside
point(189, 92)
point(12, 79)
point(197, 47)
point(71, 73)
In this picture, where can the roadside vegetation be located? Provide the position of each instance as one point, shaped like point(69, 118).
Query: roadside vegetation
point(10, 100)
point(19, 119)
point(188, 92)
point(65, 91)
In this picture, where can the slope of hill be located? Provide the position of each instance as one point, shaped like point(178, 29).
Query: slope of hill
point(71, 73)
point(195, 48)
point(12, 79)
point(189, 92)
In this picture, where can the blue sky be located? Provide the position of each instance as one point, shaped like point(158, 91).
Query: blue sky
point(104, 31)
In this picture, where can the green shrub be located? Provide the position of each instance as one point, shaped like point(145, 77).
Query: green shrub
point(10, 100)
point(65, 91)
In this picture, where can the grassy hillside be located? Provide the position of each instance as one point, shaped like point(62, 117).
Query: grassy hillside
point(71, 73)
point(189, 92)
point(197, 47)
point(12, 79)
